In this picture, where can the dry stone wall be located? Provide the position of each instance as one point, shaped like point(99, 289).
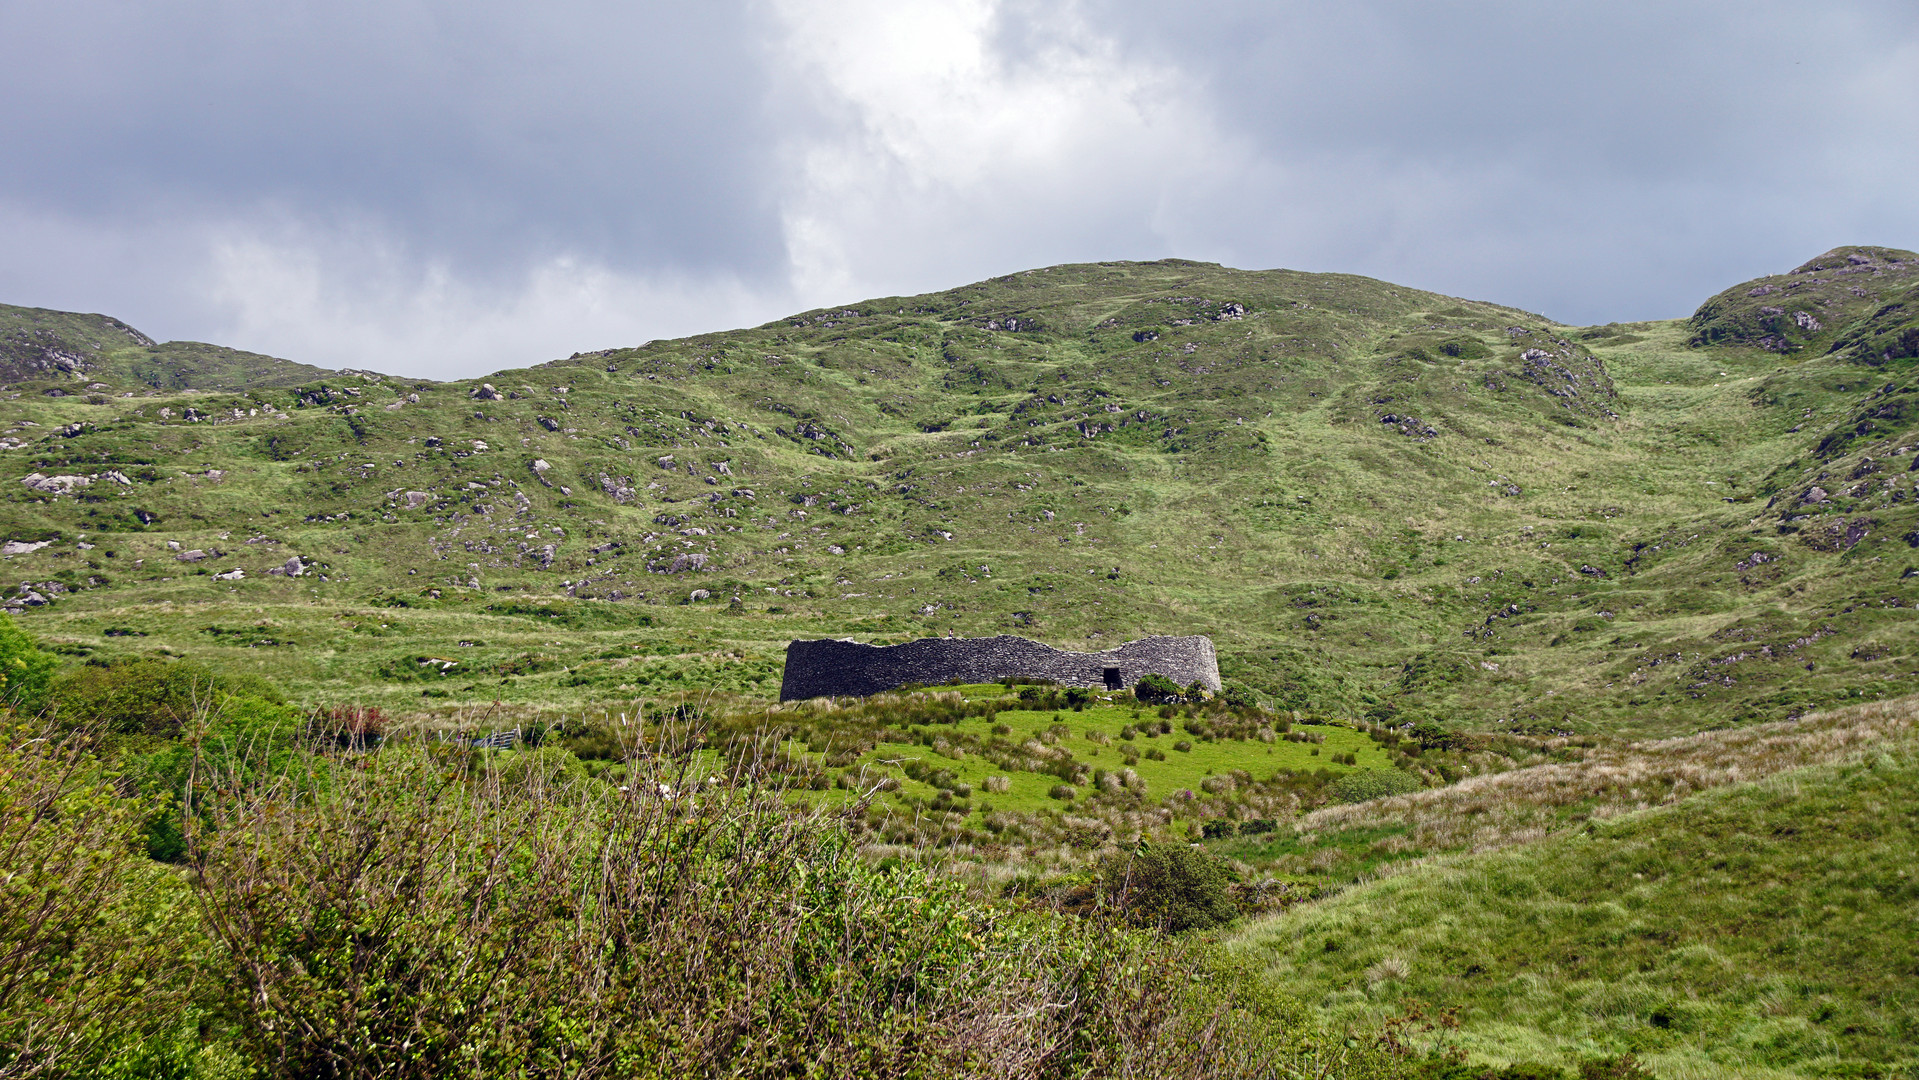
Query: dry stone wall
point(845, 668)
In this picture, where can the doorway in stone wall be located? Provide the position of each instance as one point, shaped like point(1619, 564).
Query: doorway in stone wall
point(1113, 681)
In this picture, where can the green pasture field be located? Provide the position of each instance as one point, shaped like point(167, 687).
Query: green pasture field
point(1175, 772)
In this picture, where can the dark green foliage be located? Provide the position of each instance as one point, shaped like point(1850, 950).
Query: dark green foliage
point(26, 673)
point(1172, 886)
point(1155, 689)
point(148, 697)
point(1625, 1067)
point(418, 912)
point(1465, 349)
point(102, 947)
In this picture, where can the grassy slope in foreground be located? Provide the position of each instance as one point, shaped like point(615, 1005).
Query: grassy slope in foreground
point(1764, 929)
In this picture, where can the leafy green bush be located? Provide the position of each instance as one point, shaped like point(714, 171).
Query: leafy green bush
point(1171, 885)
point(419, 920)
point(148, 698)
point(26, 673)
point(1374, 784)
point(100, 944)
point(1157, 689)
point(238, 738)
point(1240, 697)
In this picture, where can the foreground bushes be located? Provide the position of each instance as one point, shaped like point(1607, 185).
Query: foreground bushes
point(97, 944)
point(416, 911)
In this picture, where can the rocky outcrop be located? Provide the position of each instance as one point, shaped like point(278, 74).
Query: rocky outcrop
point(829, 668)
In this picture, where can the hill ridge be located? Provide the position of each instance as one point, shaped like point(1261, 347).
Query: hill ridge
point(1379, 501)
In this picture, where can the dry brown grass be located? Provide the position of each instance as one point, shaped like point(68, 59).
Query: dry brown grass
point(1498, 810)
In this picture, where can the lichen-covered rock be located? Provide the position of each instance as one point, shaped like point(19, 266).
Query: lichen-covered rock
point(56, 485)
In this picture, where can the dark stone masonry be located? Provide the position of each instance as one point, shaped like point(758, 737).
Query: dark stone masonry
point(829, 668)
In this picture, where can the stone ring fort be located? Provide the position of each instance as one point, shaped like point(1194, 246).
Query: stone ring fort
point(845, 668)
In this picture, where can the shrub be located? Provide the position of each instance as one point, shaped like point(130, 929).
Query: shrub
point(1374, 784)
point(1157, 688)
point(1078, 697)
point(1240, 697)
point(1062, 792)
point(419, 921)
point(241, 738)
point(26, 673)
point(1183, 746)
point(101, 944)
point(1172, 886)
point(592, 740)
point(148, 698)
point(1218, 829)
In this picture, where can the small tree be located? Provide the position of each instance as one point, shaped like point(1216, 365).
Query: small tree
point(25, 671)
point(1157, 689)
point(1171, 885)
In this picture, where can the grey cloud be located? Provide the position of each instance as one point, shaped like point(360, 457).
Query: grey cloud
point(485, 133)
point(439, 187)
point(1599, 161)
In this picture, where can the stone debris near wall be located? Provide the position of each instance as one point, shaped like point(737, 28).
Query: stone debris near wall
point(846, 668)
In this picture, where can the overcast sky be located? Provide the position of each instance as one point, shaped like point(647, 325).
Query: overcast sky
point(443, 188)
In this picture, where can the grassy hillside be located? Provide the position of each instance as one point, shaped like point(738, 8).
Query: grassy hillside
point(69, 354)
point(1759, 929)
point(1380, 502)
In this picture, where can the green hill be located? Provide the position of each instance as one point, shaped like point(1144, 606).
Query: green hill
point(1761, 929)
point(1378, 501)
point(61, 349)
